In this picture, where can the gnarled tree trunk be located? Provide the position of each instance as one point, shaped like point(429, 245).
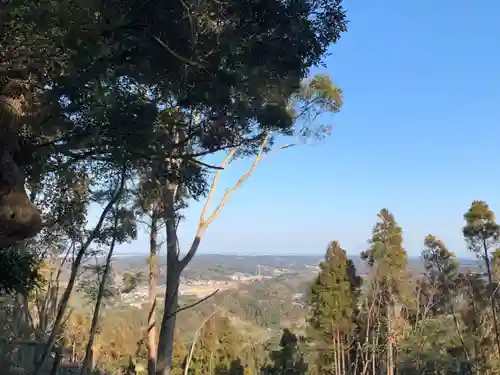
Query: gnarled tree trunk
point(19, 218)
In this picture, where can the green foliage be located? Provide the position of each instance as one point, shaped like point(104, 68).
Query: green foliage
point(288, 359)
point(109, 70)
point(218, 347)
point(482, 235)
point(481, 230)
point(333, 296)
point(386, 256)
point(386, 253)
point(333, 300)
point(130, 281)
point(441, 272)
point(432, 348)
point(18, 270)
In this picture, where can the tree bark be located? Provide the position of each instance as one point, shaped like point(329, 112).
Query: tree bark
point(19, 218)
point(174, 269)
point(390, 364)
point(335, 354)
point(492, 296)
point(153, 274)
point(175, 265)
point(87, 361)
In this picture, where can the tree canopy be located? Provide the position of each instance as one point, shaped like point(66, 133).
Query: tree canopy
point(110, 81)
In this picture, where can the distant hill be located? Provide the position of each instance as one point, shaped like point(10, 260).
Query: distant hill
point(222, 264)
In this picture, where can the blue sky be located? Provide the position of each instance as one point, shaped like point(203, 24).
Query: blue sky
point(420, 121)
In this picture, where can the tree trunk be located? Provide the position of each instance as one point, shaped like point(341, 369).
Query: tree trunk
point(492, 296)
point(166, 340)
point(390, 360)
point(87, 361)
point(174, 269)
point(72, 279)
point(339, 352)
point(335, 357)
point(153, 274)
point(19, 218)
point(343, 355)
point(374, 356)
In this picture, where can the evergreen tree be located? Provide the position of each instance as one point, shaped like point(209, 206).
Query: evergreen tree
point(482, 234)
point(442, 270)
point(218, 347)
point(388, 261)
point(288, 360)
point(333, 301)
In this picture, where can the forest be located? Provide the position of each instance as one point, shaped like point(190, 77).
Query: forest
point(134, 109)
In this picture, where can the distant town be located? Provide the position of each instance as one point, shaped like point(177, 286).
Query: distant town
point(203, 288)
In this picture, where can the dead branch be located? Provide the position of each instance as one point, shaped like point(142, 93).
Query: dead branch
point(193, 304)
point(195, 339)
point(204, 221)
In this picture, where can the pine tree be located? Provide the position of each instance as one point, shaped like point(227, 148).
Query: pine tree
point(333, 301)
point(482, 234)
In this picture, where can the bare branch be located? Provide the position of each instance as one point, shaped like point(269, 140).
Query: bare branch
point(195, 339)
point(175, 54)
point(204, 222)
point(215, 181)
point(193, 304)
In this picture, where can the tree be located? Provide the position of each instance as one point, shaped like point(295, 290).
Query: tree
point(431, 348)
point(442, 270)
point(333, 303)
point(122, 229)
point(18, 270)
point(80, 253)
point(150, 205)
point(388, 261)
point(87, 82)
point(482, 235)
point(315, 97)
point(442, 277)
point(288, 360)
point(130, 281)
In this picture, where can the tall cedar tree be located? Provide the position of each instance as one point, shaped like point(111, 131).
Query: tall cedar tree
point(333, 300)
point(482, 234)
point(388, 260)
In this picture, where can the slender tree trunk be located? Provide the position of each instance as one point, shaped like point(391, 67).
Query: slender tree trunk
point(71, 283)
point(374, 355)
point(390, 364)
point(459, 332)
point(57, 362)
point(335, 351)
point(165, 343)
point(153, 273)
point(87, 361)
point(492, 296)
point(343, 355)
point(174, 269)
point(339, 351)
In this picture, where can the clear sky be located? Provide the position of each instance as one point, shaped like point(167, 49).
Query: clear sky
point(418, 134)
